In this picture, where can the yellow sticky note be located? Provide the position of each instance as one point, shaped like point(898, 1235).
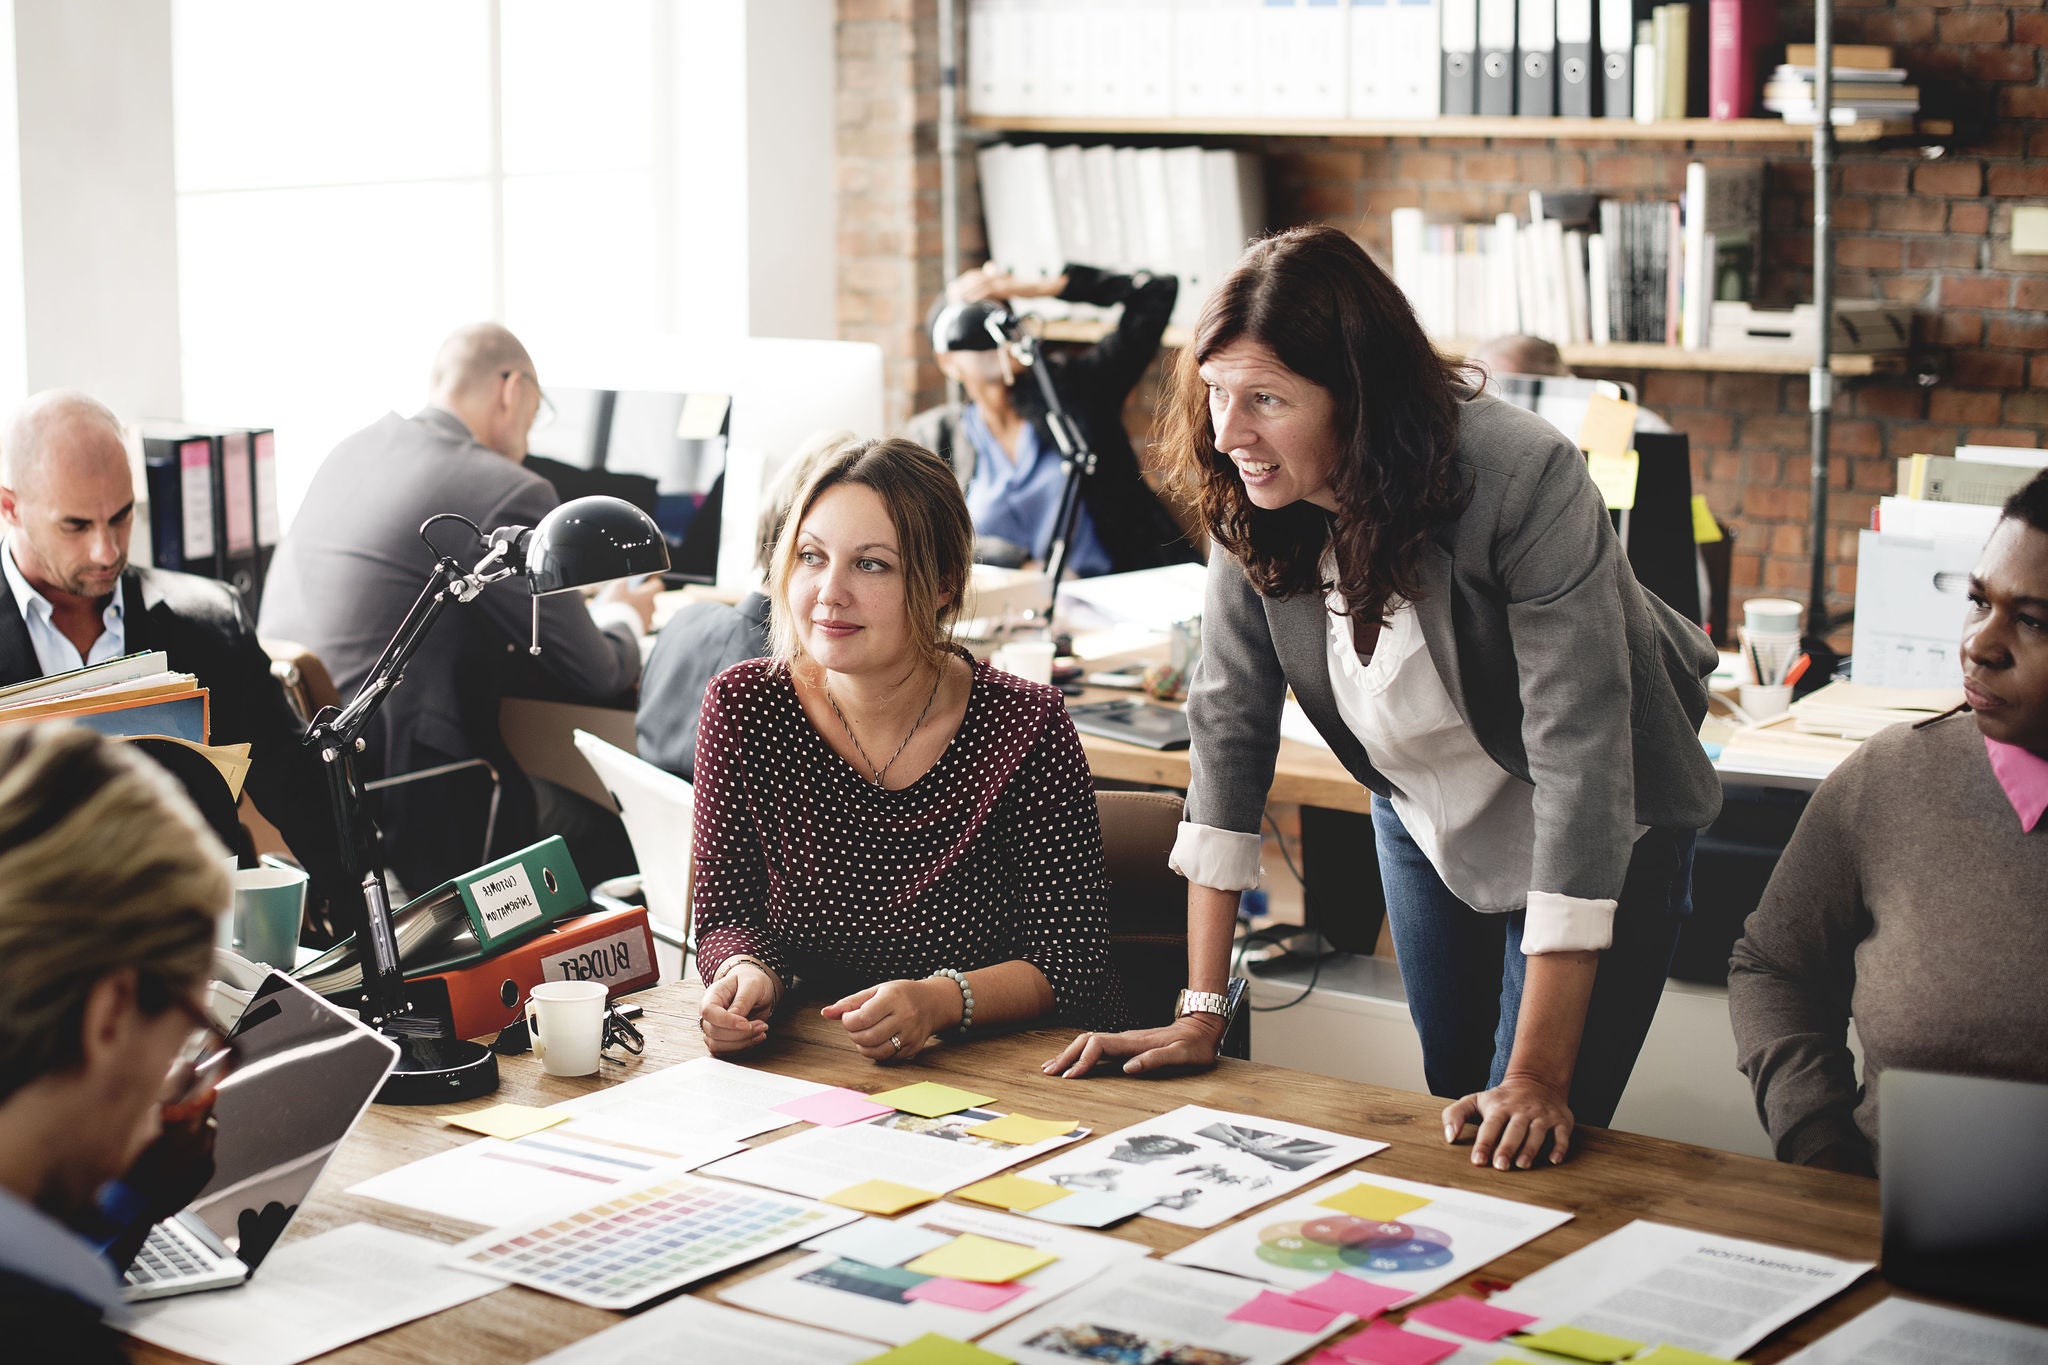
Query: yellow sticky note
point(1012, 1192)
point(1579, 1344)
point(508, 1121)
point(1608, 427)
point(933, 1349)
point(1023, 1130)
point(931, 1100)
point(981, 1259)
point(1375, 1203)
point(1705, 529)
point(1678, 1355)
point(1615, 477)
point(880, 1196)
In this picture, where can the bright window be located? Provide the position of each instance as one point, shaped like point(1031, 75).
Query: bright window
point(355, 181)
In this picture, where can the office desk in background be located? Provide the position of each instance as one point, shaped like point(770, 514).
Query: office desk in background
point(1612, 1179)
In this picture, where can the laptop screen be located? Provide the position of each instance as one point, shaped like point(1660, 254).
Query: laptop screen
point(307, 1072)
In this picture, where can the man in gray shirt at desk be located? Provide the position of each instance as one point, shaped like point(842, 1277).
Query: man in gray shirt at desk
point(354, 562)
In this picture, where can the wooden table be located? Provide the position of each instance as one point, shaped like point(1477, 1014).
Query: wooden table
point(1611, 1179)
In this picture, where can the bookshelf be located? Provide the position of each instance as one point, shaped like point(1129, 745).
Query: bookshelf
point(1822, 366)
point(1614, 356)
point(1748, 130)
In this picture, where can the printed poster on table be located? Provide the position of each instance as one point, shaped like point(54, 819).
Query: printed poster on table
point(1205, 1165)
point(870, 1300)
point(1145, 1311)
point(934, 1154)
point(1397, 1233)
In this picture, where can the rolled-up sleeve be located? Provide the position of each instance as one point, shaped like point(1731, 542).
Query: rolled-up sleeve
point(1052, 841)
point(729, 879)
point(1221, 858)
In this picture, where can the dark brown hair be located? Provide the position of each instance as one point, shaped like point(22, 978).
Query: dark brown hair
point(1313, 298)
point(934, 533)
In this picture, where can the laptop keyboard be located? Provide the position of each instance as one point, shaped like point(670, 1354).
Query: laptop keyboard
point(171, 1253)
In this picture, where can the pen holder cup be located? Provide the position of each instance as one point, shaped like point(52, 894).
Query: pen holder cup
point(565, 1020)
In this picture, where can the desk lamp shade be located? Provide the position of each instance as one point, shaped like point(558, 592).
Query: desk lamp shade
point(592, 540)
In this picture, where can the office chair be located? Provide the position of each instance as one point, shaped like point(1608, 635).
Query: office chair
point(309, 687)
point(1148, 908)
point(655, 806)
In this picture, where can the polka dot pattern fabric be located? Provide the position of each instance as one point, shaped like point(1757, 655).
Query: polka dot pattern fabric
point(992, 856)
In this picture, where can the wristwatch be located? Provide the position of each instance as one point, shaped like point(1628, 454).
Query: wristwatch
point(1201, 1002)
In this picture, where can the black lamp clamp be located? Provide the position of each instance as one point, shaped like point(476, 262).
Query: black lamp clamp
point(587, 541)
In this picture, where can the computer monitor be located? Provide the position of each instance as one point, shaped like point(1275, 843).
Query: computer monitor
point(581, 427)
point(679, 440)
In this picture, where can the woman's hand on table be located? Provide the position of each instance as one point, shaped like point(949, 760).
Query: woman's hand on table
point(1191, 1041)
point(893, 1021)
point(1515, 1118)
point(734, 1015)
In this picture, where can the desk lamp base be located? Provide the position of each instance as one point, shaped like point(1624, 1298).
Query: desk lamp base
point(439, 1071)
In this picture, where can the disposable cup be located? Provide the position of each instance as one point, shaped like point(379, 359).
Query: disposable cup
point(565, 1020)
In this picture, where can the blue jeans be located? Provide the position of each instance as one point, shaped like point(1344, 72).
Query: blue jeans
point(1464, 969)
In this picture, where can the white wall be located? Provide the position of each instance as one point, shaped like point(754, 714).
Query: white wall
point(792, 218)
point(87, 210)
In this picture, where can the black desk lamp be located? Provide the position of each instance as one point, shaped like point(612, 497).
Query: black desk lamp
point(1077, 459)
point(589, 540)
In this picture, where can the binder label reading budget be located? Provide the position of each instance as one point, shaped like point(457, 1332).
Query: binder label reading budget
point(505, 899)
point(605, 959)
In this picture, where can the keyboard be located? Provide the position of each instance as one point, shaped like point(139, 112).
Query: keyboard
point(178, 1258)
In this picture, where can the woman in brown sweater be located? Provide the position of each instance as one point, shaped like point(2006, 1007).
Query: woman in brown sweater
point(1913, 897)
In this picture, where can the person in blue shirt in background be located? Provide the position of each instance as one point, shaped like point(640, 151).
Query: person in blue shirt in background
point(1000, 446)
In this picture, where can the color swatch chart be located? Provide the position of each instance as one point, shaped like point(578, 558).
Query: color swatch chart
point(649, 1241)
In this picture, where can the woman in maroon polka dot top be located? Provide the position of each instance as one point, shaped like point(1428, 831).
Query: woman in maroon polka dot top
point(876, 814)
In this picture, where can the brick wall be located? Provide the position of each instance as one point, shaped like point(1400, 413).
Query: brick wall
point(1934, 232)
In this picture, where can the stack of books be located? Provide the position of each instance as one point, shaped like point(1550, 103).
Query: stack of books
point(1868, 87)
point(1588, 270)
point(1823, 729)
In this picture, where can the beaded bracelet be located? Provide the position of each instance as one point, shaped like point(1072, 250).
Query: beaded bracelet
point(966, 995)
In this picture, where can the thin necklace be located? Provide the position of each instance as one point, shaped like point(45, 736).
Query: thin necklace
point(916, 725)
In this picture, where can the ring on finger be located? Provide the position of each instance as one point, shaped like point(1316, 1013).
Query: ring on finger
point(895, 1044)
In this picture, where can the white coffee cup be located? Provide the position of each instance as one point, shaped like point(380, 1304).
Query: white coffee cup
point(1030, 660)
point(565, 1020)
point(1762, 702)
point(1771, 616)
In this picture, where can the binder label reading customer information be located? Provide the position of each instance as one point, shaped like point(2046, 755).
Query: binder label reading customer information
point(505, 899)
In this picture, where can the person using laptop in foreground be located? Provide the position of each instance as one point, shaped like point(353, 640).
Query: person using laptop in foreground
point(877, 814)
point(109, 891)
point(1910, 898)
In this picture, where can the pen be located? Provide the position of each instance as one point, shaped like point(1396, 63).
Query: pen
point(1797, 670)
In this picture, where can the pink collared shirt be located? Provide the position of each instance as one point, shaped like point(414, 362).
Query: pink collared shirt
point(2024, 775)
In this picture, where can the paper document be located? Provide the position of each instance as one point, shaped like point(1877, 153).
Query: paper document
point(1900, 1329)
point(697, 1329)
point(1396, 1233)
point(1655, 1283)
point(491, 1182)
point(1156, 598)
point(1205, 1165)
point(875, 1301)
point(705, 1098)
point(1147, 1311)
point(935, 1154)
point(311, 1297)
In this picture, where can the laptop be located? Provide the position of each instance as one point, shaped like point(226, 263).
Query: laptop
point(1965, 1204)
point(307, 1072)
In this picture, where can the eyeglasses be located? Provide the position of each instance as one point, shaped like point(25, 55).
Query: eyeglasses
point(544, 411)
point(204, 1061)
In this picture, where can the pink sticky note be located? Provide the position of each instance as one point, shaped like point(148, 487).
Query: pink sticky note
point(1349, 1294)
point(975, 1298)
point(1470, 1317)
point(834, 1108)
point(1382, 1343)
point(1277, 1310)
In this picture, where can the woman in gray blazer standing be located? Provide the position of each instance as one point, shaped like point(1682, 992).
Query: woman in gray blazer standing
point(1434, 575)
